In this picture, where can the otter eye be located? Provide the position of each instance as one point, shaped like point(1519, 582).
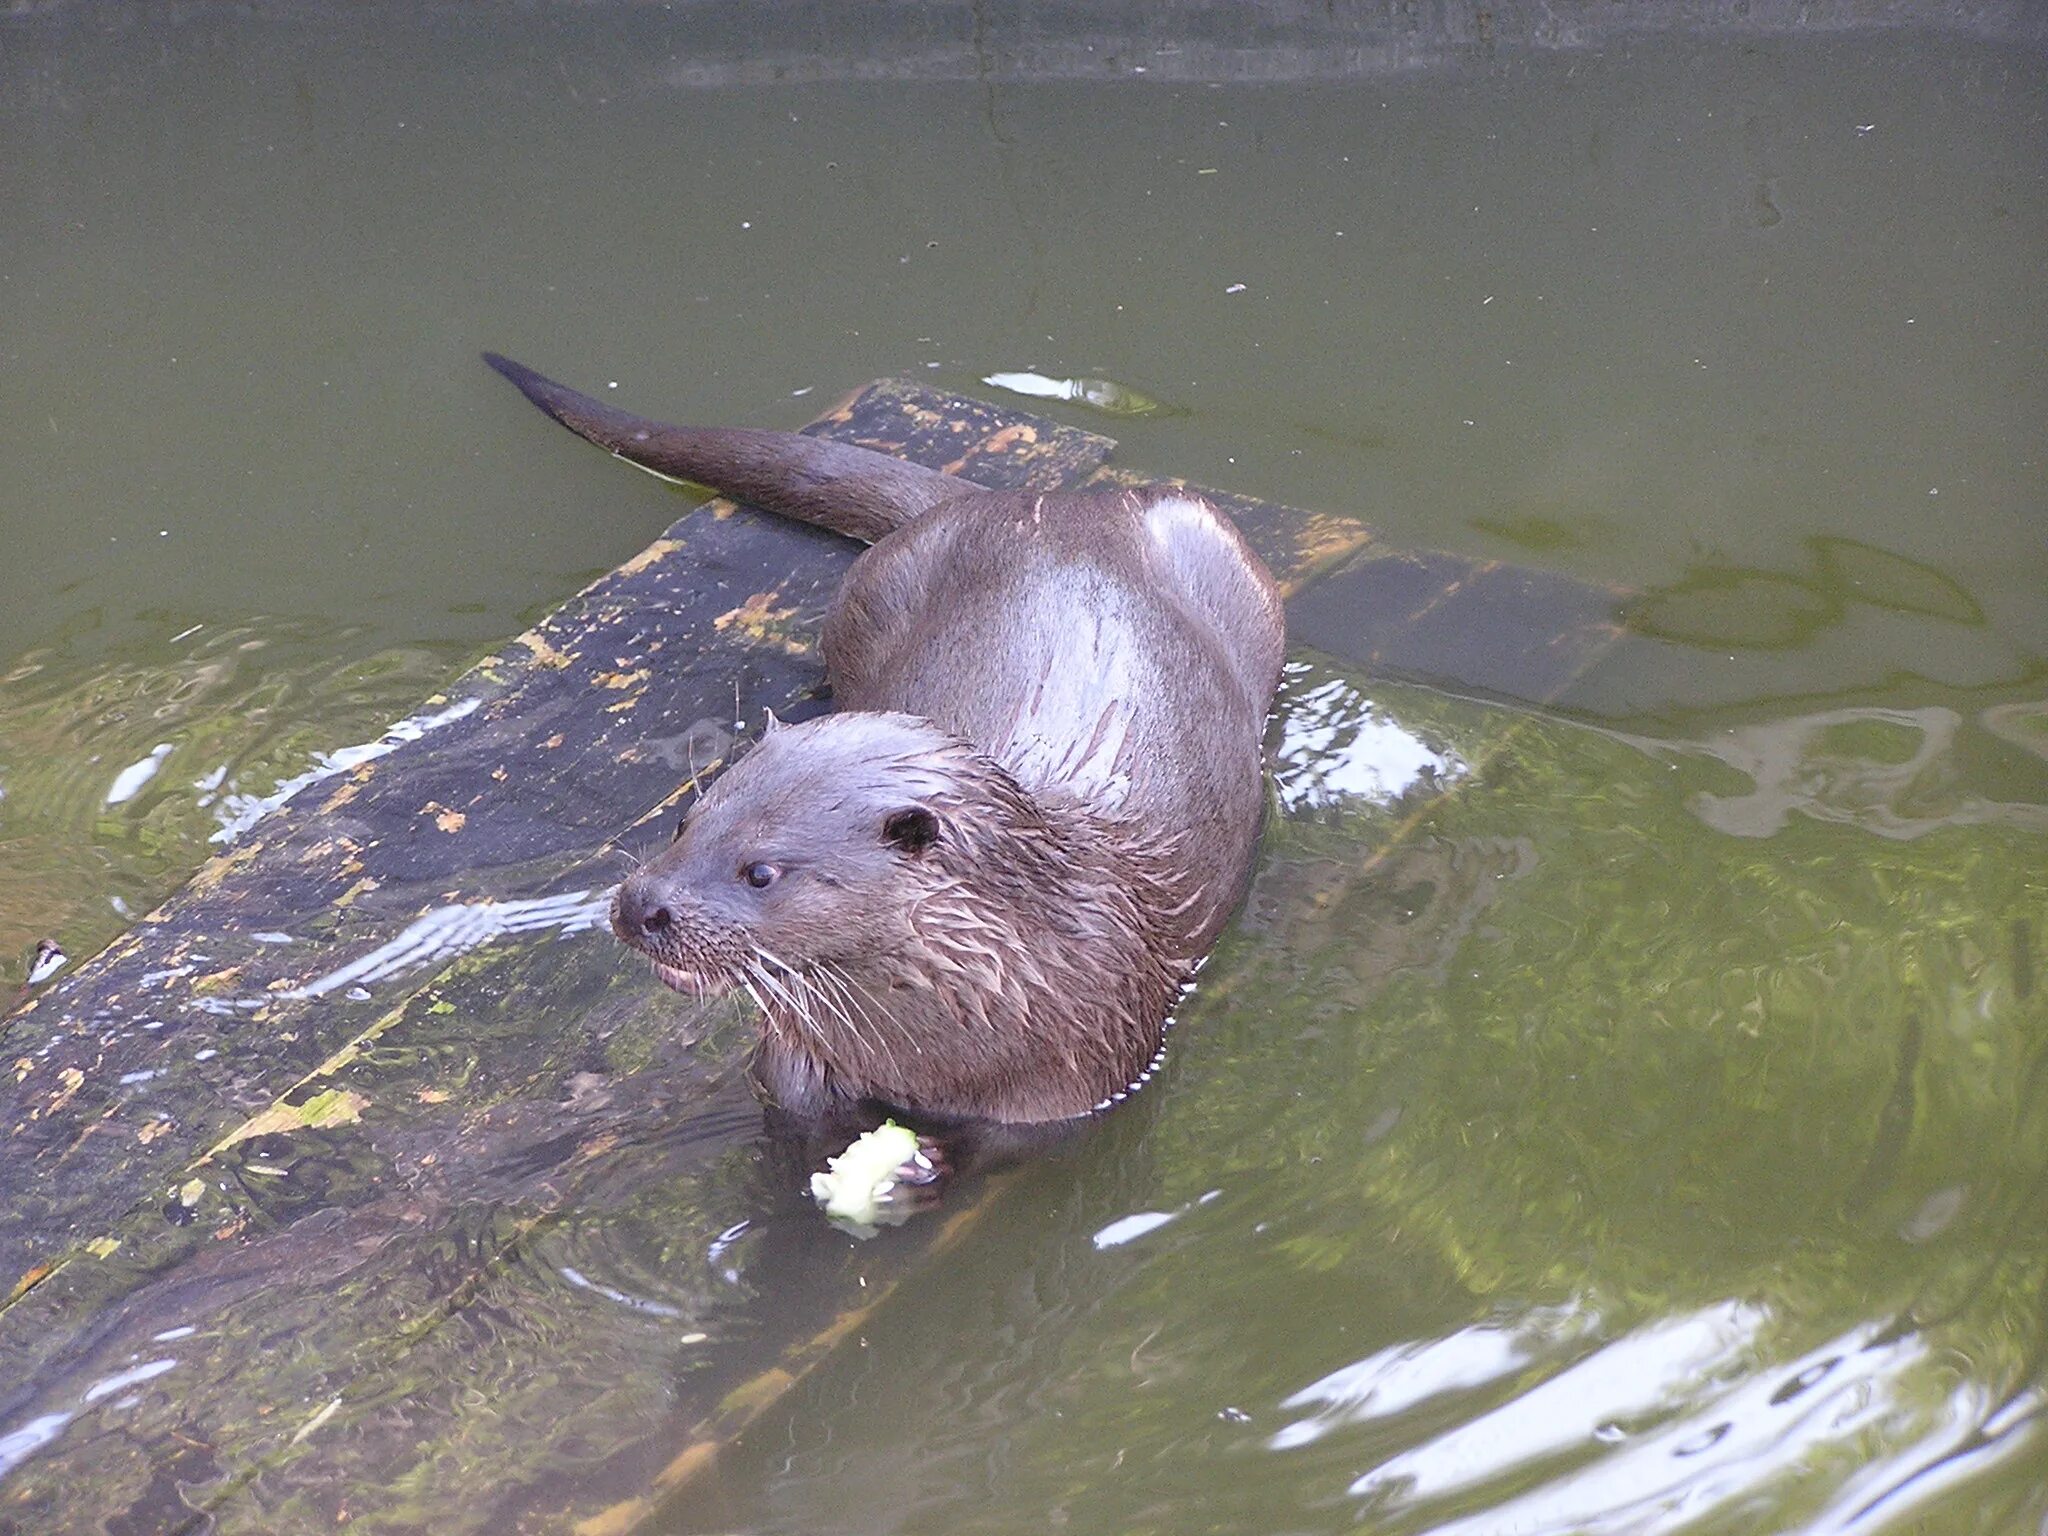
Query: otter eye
point(912, 829)
point(761, 876)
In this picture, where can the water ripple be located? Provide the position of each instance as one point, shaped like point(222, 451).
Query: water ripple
point(116, 775)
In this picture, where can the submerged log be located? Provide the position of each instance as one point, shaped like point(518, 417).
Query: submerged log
point(322, 1185)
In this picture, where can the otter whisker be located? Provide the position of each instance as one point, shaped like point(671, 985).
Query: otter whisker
point(759, 973)
point(789, 990)
point(847, 1001)
point(773, 959)
point(838, 1010)
point(864, 999)
point(746, 982)
point(802, 992)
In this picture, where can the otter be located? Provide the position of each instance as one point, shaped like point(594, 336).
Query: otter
point(974, 892)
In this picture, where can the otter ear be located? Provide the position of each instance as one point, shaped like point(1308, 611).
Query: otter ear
point(912, 829)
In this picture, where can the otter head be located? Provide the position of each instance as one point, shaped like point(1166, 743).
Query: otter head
point(914, 925)
point(800, 856)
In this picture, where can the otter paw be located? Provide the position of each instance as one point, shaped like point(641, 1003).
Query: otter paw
point(926, 1165)
point(915, 1182)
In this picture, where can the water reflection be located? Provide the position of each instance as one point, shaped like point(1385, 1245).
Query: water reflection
point(1104, 395)
point(1897, 773)
point(129, 781)
point(1337, 747)
point(457, 928)
point(612, 1293)
point(1406, 1376)
point(17, 1445)
point(42, 1431)
point(1645, 1378)
point(1717, 606)
point(116, 776)
point(239, 811)
point(1675, 1423)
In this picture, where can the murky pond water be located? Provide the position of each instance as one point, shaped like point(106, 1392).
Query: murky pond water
point(1621, 1108)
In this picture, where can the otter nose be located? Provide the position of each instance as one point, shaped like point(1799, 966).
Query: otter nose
point(639, 912)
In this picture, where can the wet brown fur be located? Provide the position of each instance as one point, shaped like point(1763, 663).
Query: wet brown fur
point(994, 869)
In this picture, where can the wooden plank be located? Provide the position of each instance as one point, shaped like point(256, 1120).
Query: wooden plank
point(1500, 631)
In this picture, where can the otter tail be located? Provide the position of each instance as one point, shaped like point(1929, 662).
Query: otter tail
point(852, 491)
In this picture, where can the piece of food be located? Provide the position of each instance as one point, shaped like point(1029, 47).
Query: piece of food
point(856, 1181)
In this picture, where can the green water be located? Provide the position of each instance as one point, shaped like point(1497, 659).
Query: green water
point(1651, 1138)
